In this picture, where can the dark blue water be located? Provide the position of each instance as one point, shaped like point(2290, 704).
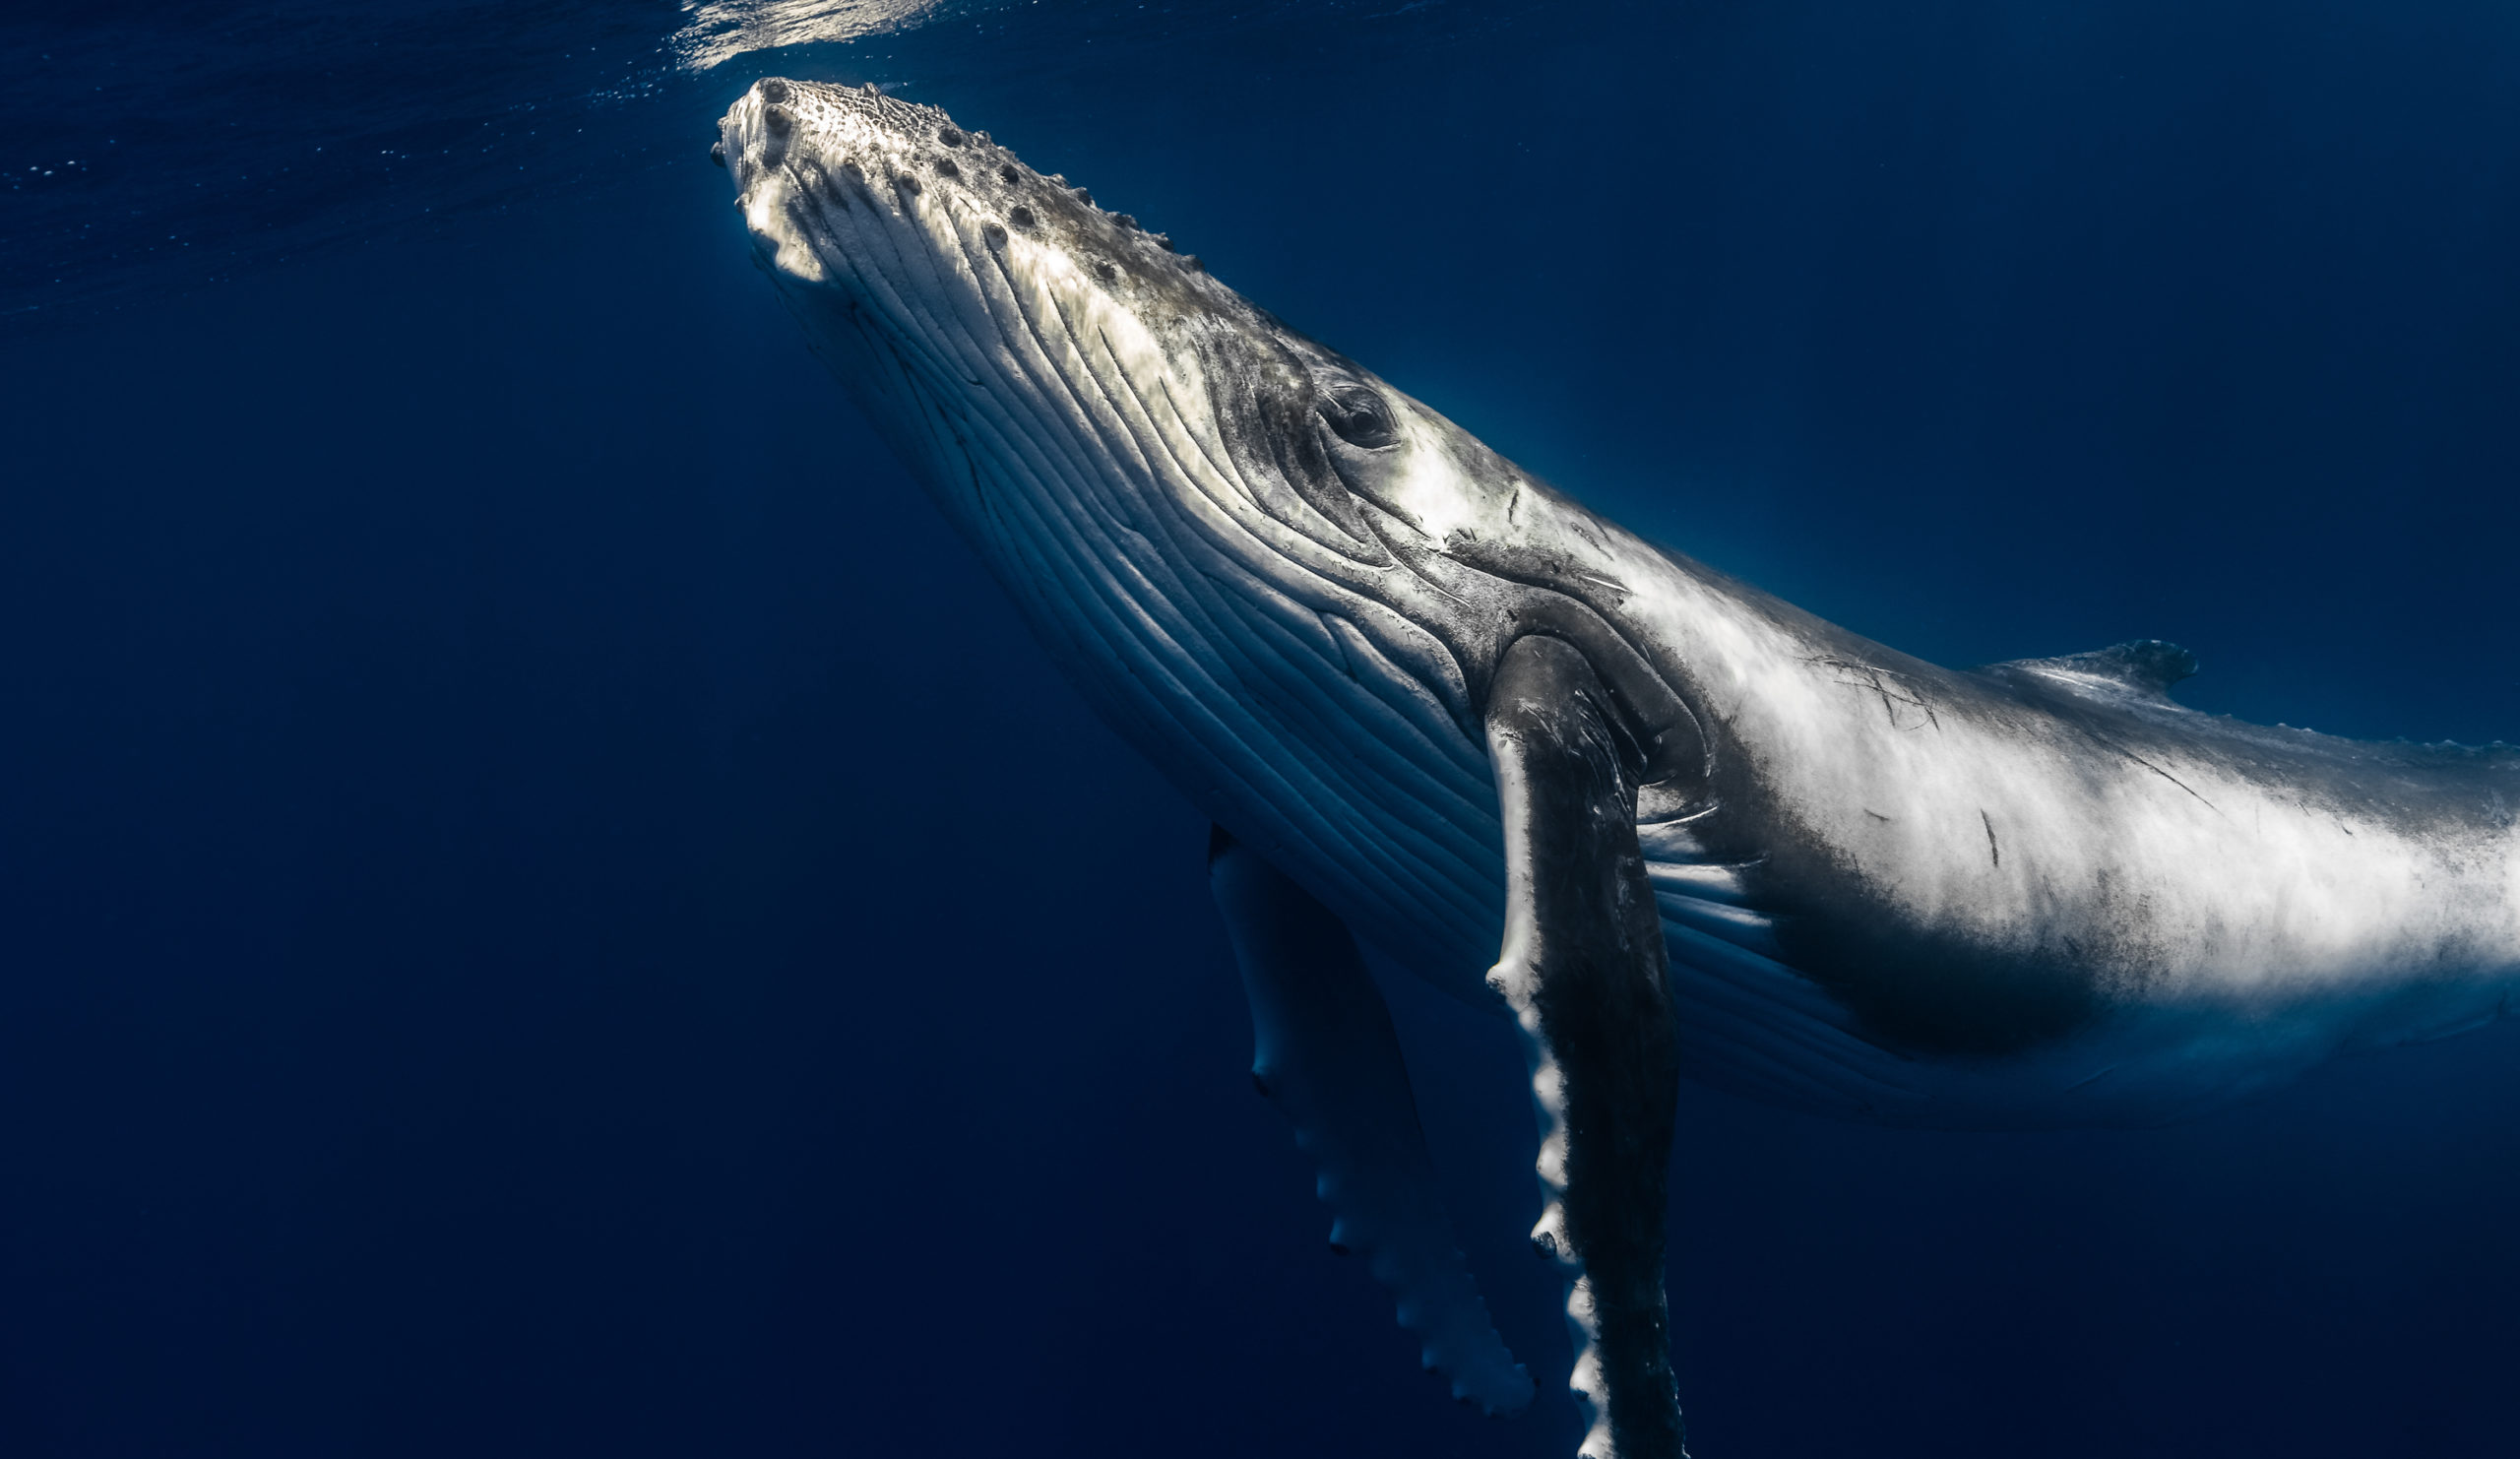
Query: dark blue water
point(548, 907)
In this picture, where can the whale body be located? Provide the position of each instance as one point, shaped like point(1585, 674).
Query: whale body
point(1437, 706)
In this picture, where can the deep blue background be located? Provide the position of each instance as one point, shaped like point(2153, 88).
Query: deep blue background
point(546, 905)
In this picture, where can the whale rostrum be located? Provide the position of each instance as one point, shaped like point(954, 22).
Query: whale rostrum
point(1664, 821)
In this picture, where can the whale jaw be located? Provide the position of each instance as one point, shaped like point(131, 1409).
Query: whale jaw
point(1014, 314)
point(1195, 507)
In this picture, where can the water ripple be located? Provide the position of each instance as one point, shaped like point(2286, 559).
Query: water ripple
point(722, 30)
point(148, 153)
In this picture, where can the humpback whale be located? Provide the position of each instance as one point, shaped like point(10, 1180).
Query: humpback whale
point(1665, 823)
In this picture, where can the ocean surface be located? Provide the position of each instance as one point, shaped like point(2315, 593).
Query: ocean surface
point(548, 907)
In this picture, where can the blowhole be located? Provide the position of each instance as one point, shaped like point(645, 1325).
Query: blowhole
point(1021, 216)
point(950, 137)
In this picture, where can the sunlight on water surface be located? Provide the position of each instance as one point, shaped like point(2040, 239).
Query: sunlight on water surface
point(722, 30)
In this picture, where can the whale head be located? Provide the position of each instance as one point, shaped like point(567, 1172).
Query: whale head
point(975, 297)
point(1243, 543)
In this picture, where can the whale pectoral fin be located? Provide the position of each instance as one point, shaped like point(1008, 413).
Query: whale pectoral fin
point(1325, 1053)
point(1583, 968)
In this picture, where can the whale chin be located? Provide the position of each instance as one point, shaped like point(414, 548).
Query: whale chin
point(1134, 451)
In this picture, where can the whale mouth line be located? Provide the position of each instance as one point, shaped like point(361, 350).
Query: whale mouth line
point(1236, 514)
point(1024, 302)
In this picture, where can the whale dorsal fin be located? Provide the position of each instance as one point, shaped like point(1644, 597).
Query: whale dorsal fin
point(2146, 667)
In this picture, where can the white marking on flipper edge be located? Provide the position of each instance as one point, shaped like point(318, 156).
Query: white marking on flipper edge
point(1325, 1053)
point(1583, 968)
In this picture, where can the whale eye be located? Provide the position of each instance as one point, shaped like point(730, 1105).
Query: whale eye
point(1358, 415)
